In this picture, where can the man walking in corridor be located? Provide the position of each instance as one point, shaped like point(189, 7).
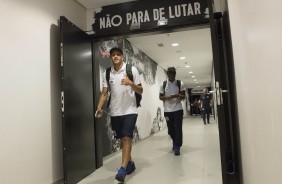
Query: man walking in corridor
point(123, 106)
point(171, 93)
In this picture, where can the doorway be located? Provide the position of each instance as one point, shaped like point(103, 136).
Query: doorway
point(220, 77)
point(139, 51)
point(139, 39)
point(155, 87)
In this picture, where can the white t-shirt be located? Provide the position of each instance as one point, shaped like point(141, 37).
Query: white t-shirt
point(123, 100)
point(171, 89)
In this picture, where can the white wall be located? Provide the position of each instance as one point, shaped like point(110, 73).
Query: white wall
point(31, 134)
point(256, 29)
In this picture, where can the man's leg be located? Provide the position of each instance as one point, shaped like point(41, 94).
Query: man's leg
point(204, 116)
point(178, 119)
point(126, 132)
point(170, 127)
point(126, 151)
point(126, 156)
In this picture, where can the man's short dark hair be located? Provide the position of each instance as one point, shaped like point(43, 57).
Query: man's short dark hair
point(171, 70)
point(116, 49)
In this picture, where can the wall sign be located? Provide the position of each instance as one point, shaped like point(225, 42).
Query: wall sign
point(145, 15)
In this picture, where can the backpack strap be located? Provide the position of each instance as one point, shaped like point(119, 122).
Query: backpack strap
point(164, 85)
point(178, 84)
point(108, 70)
point(129, 72)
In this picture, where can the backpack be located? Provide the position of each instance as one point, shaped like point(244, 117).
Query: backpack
point(178, 84)
point(138, 97)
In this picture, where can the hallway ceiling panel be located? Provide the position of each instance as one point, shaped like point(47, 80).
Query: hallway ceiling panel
point(195, 45)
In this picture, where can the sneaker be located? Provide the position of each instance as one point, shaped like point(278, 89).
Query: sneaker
point(177, 151)
point(121, 175)
point(130, 167)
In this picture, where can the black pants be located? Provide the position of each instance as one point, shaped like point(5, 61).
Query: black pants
point(206, 114)
point(174, 122)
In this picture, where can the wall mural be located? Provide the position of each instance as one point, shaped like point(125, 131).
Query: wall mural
point(158, 122)
point(145, 125)
point(141, 61)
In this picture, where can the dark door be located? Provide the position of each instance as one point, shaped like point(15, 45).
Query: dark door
point(77, 103)
point(225, 100)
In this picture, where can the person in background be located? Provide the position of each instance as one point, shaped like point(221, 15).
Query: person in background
point(206, 103)
point(123, 108)
point(171, 93)
point(196, 107)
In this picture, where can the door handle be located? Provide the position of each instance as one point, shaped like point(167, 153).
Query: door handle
point(219, 92)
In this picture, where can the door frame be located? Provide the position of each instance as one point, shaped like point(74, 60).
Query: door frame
point(227, 131)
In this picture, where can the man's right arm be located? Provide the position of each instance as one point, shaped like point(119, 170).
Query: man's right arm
point(201, 102)
point(163, 97)
point(102, 100)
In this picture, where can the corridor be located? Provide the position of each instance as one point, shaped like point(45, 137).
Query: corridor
point(199, 162)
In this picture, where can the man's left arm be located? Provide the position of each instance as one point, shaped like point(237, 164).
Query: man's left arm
point(137, 88)
point(181, 94)
point(135, 84)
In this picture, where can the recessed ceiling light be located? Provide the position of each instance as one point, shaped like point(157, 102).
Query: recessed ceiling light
point(187, 66)
point(190, 72)
point(175, 44)
point(193, 76)
point(195, 79)
point(182, 58)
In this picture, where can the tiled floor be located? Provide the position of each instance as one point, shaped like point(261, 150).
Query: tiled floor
point(199, 162)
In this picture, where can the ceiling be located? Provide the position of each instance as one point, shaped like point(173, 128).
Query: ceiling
point(194, 45)
point(89, 4)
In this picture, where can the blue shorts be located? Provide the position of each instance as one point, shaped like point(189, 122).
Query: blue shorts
point(123, 126)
